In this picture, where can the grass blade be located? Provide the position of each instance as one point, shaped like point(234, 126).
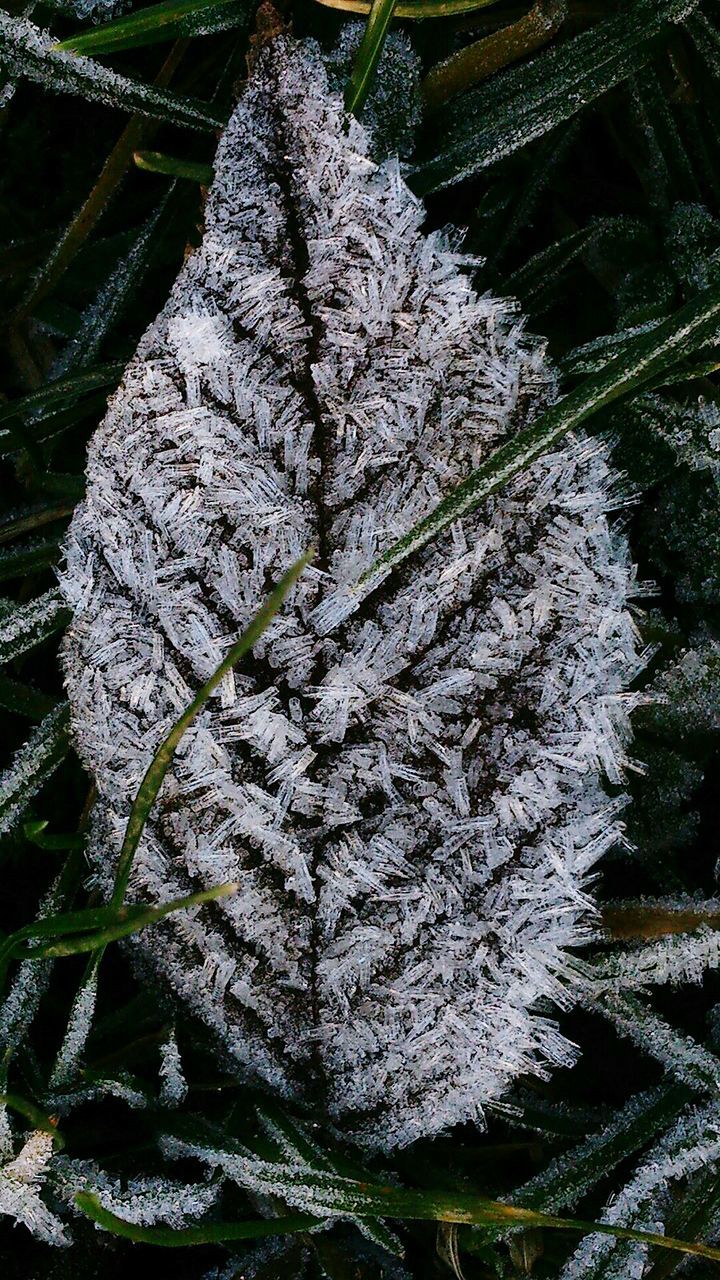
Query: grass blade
point(638, 363)
point(163, 21)
point(211, 1233)
point(364, 1200)
point(25, 626)
point(498, 118)
point(26, 51)
point(38, 1118)
point(153, 780)
point(131, 920)
point(413, 8)
point(368, 55)
point(156, 162)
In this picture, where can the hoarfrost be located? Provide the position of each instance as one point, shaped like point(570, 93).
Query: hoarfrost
point(408, 788)
point(691, 1145)
point(173, 1086)
point(31, 766)
point(21, 1181)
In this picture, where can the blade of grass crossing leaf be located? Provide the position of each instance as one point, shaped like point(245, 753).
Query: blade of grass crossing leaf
point(643, 359)
point(368, 54)
point(138, 920)
point(27, 521)
point(128, 920)
point(153, 780)
point(156, 162)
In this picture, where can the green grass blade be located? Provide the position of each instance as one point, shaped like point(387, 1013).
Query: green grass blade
point(163, 21)
point(574, 1173)
point(523, 104)
point(681, 1055)
point(123, 923)
point(38, 1118)
point(368, 55)
point(156, 162)
point(153, 780)
point(27, 52)
point(136, 920)
point(643, 360)
point(60, 394)
point(211, 1233)
point(363, 1200)
point(35, 833)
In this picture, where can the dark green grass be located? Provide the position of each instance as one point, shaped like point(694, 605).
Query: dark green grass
point(582, 225)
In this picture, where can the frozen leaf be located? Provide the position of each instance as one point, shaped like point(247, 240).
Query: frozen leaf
point(409, 792)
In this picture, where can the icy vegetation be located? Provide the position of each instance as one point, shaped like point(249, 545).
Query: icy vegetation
point(22, 1178)
point(408, 785)
point(692, 1145)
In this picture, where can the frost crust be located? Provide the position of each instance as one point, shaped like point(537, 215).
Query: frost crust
point(410, 796)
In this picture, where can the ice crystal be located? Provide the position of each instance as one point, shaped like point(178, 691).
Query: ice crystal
point(21, 1180)
point(144, 1200)
point(173, 1086)
point(408, 787)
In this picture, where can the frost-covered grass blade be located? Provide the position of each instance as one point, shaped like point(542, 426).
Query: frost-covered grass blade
point(157, 22)
point(523, 104)
point(26, 51)
point(643, 360)
point(368, 55)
